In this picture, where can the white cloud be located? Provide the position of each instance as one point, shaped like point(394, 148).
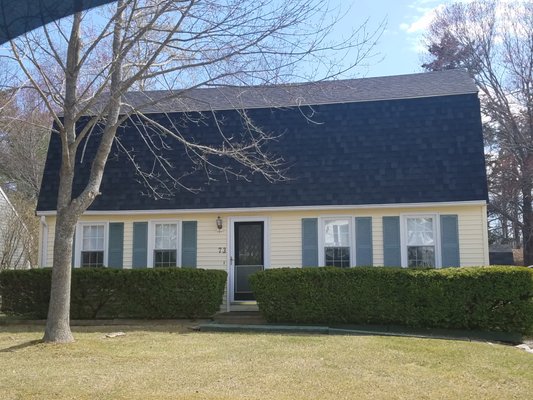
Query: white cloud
point(425, 12)
point(422, 22)
point(419, 22)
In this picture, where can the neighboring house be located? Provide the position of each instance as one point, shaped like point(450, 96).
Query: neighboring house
point(14, 236)
point(501, 254)
point(384, 171)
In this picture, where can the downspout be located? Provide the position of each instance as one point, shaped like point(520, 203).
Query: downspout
point(43, 242)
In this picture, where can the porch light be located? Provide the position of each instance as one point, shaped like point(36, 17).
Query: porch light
point(219, 223)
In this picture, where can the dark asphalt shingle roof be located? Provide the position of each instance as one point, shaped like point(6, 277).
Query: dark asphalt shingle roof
point(413, 149)
point(442, 83)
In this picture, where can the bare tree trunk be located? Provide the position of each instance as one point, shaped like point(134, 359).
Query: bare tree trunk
point(505, 231)
point(527, 230)
point(58, 321)
point(517, 243)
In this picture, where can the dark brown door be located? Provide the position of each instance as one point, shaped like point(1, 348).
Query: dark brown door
point(249, 256)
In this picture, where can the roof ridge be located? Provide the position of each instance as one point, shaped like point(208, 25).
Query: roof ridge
point(305, 83)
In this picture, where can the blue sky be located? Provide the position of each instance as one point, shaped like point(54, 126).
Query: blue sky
point(399, 49)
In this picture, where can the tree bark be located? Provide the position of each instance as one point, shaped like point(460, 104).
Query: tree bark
point(527, 230)
point(58, 321)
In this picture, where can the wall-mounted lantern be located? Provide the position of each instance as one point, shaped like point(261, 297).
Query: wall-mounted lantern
point(219, 223)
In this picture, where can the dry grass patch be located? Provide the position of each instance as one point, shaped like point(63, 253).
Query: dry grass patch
point(172, 362)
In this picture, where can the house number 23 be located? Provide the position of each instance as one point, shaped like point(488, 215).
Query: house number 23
point(222, 250)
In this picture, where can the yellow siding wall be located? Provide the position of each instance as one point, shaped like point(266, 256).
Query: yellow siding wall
point(285, 232)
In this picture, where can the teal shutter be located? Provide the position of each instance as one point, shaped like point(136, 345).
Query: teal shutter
point(140, 245)
point(363, 241)
point(449, 237)
point(392, 255)
point(115, 256)
point(309, 242)
point(189, 232)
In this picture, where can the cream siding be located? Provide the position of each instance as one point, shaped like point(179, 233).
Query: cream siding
point(285, 232)
point(51, 221)
point(285, 240)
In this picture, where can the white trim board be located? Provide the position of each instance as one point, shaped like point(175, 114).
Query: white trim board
point(287, 208)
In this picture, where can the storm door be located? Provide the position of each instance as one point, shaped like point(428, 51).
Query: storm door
point(249, 254)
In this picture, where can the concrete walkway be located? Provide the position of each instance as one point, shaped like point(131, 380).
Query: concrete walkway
point(373, 330)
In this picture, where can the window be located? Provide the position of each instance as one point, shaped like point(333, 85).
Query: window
point(420, 241)
point(92, 245)
point(165, 245)
point(337, 243)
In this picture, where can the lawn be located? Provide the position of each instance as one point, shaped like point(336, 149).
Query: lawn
point(170, 361)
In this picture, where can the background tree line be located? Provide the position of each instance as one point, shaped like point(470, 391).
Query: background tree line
point(24, 132)
point(493, 40)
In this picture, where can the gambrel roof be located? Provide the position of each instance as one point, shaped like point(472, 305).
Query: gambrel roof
point(403, 139)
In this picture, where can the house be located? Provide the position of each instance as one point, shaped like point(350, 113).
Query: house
point(383, 171)
point(14, 236)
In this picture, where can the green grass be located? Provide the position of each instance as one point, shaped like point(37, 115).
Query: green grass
point(172, 362)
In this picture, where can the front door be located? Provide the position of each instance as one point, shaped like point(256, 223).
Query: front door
point(249, 254)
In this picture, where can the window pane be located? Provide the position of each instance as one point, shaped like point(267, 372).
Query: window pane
point(337, 257)
point(93, 238)
point(337, 233)
point(164, 258)
point(99, 231)
point(92, 259)
point(166, 236)
point(420, 231)
point(421, 256)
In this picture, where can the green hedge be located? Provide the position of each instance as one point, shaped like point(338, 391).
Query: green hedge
point(485, 298)
point(113, 293)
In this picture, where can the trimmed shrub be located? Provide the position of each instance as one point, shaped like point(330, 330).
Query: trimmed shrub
point(115, 293)
point(25, 292)
point(485, 298)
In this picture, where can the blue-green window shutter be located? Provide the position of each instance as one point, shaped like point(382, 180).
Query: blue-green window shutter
point(363, 241)
point(140, 245)
point(449, 238)
point(310, 242)
point(392, 252)
point(189, 233)
point(115, 256)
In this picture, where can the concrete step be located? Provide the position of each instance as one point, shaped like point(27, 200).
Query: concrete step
point(244, 306)
point(239, 317)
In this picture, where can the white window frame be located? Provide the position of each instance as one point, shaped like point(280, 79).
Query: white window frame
point(78, 246)
point(321, 239)
point(151, 240)
point(436, 236)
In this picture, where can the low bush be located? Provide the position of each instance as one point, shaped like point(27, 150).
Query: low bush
point(485, 298)
point(113, 293)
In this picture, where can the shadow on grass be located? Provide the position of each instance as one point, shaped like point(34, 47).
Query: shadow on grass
point(21, 346)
